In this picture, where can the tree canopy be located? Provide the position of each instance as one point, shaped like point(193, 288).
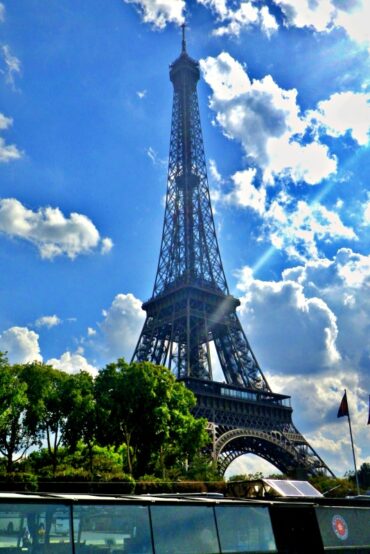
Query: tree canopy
point(143, 406)
point(139, 410)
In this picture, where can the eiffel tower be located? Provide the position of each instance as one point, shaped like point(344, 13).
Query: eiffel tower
point(191, 307)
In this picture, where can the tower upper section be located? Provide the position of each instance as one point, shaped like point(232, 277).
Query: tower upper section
point(184, 71)
point(189, 250)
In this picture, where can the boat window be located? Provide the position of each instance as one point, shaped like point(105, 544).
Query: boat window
point(111, 528)
point(342, 528)
point(245, 529)
point(184, 530)
point(35, 528)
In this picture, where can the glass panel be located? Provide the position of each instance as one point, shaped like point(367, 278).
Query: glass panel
point(112, 528)
point(342, 527)
point(184, 530)
point(245, 529)
point(36, 528)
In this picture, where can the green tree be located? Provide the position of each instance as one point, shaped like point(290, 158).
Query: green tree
point(15, 435)
point(333, 487)
point(144, 406)
point(49, 405)
point(80, 423)
point(364, 475)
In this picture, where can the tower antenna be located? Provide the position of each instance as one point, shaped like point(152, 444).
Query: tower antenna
point(183, 26)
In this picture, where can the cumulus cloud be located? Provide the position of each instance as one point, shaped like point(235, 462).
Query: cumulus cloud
point(160, 12)
point(325, 15)
point(318, 15)
point(355, 21)
point(345, 111)
point(321, 16)
point(310, 331)
point(298, 227)
point(266, 120)
point(245, 194)
point(21, 344)
point(343, 283)
point(244, 16)
point(315, 402)
point(50, 231)
point(8, 152)
point(293, 226)
point(12, 65)
point(121, 326)
point(72, 363)
point(48, 321)
point(290, 332)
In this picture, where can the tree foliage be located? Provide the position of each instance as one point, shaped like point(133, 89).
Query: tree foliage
point(15, 435)
point(144, 406)
point(137, 414)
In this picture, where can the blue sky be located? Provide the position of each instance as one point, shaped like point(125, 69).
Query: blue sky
point(84, 136)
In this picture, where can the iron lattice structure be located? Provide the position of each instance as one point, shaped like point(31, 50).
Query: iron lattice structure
point(191, 307)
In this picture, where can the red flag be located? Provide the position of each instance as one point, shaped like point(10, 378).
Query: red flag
point(343, 408)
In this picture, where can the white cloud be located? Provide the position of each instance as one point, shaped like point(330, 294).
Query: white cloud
point(5, 122)
point(290, 332)
point(343, 283)
point(250, 465)
point(153, 155)
point(297, 227)
point(268, 22)
point(315, 401)
point(245, 15)
point(325, 15)
point(72, 363)
point(48, 321)
point(121, 326)
point(310, 163)
point(310, 331)
point(12, 65)
point(319, 15)
point(22, 345)
point(245, 194)
point(356, 21)
point(49, 230)
point(215, 174)
point(218, 6)
point(266, 120)
point(8, 152)
point(305, 13)
point(141, 94)
point(91, 332)
point(367, 213)
point(106, 245)
point(345, 111)
point(160, 12)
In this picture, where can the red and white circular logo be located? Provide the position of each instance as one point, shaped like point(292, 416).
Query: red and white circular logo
point(340, 527)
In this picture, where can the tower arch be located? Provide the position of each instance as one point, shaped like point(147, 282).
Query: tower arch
point(272, 446)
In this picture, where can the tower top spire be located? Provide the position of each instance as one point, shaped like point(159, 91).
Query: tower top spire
point(183, 44)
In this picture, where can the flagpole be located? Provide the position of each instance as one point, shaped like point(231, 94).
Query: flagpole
point(353, 450)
